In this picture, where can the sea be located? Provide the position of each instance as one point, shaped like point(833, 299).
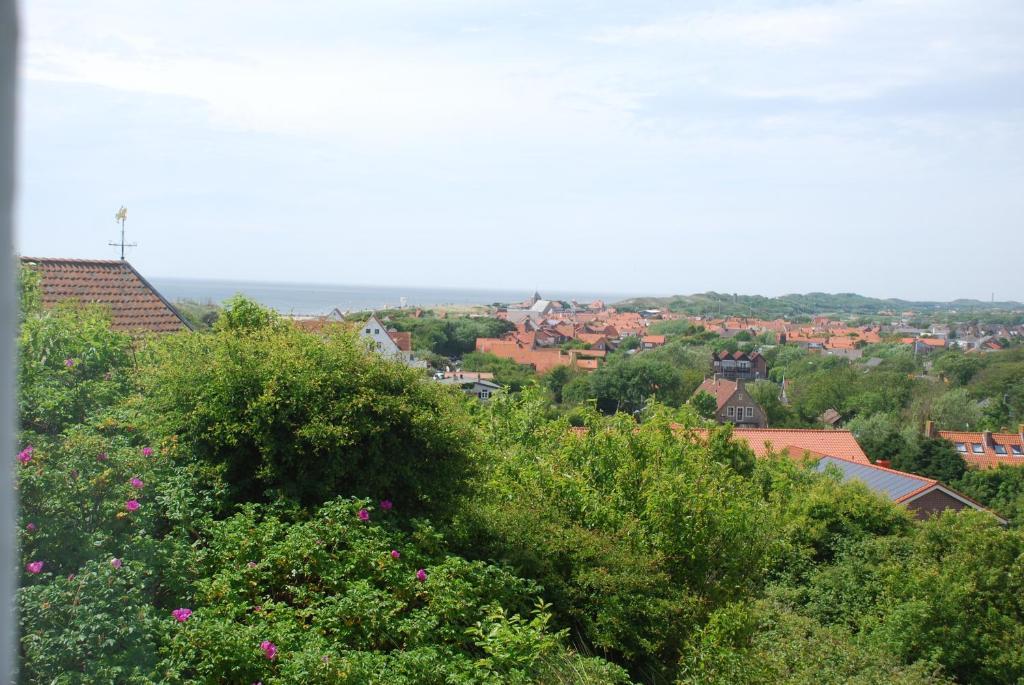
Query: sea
point(308, 298)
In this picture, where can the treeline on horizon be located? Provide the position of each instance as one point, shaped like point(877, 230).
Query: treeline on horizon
point(815, 304)
point(260, 504)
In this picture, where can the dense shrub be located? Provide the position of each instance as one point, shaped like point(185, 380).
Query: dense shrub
point(339, 607)
point(308, 417)
point(70, 364)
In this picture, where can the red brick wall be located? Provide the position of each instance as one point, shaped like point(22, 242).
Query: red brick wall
point(933, 503)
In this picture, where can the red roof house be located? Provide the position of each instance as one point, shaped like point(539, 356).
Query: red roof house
point(134, 304)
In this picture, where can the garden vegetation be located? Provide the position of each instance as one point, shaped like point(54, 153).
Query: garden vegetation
point(259, 504)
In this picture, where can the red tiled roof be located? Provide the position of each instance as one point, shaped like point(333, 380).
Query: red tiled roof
point(719, 388)
point(795, 441)
point(988, 458)
point(133, 303)
point(654, 339)
point(403, 339)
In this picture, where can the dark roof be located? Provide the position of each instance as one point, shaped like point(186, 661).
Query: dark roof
point(134, 304)
point(896, 485)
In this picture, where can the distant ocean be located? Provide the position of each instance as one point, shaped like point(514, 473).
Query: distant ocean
point(304, 298)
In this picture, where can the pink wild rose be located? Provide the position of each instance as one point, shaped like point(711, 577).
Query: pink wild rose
point(364, 515)
point(395, 554)
point(115, 562)
point(386, 504)
point(137, 483)
point(132, 505)
point(269, 649)
point(34, 567)
point(25, 456)
point(181, 615)
point(31, 527)
point(421, 575)
point(147, 451)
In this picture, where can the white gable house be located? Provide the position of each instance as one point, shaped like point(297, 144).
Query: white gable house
point(392, 344)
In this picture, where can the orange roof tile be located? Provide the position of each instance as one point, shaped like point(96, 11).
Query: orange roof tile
point(988, 458)
point(832, 443)
point(133, 303)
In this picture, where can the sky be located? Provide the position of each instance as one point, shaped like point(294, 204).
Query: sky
point(645, 147)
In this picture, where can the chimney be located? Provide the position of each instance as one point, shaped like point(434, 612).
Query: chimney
point(1020, 431)
point(929, 429)
point(986, 437)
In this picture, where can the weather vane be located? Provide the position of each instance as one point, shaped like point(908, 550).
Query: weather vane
point(121, 217)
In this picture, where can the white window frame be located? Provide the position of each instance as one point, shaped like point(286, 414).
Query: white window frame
point(730, 412)
point(750, 412)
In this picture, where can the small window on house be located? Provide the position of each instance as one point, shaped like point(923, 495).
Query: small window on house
point(376, 331)
point(730, 411)
point(961, 447)
point(484, 394)
point(367, 331)
point(1000, 449)
point(977, 448)
point(750, 412)
point(1016, 450)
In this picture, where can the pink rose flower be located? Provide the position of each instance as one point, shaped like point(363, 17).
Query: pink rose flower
point(147, 451)
point(25, 456)
point(34, 567)
point(386, 504)
point(115, 562)
point(132, 505)
point(364, 515)
point(395, 554)
point(421, 575)
point(269, 649)
point(137, 483)
point(31, 527)
point(181, 615)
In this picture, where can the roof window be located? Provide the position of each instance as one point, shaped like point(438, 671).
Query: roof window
point(1016, 449)
point(977, 448)
point(1000, 449)
point(960, 447)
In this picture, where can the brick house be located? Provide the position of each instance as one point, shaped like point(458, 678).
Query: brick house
point(734, 403)
point(739, 365)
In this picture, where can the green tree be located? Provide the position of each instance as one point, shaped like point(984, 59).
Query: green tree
point(704, 404)
point(931, 457)
point(308, 417)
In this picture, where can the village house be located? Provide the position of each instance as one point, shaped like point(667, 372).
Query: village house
point(391, 343)
point(650, 342)
point(984, 449)
point(472, 385)
point(134, 305)
point(734, 403)
point(925, 497)
point(739, 365)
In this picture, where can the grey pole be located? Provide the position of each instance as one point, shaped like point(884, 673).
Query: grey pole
point(8, 552)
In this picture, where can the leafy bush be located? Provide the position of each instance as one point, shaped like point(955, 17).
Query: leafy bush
point(339, 607)
point(308, 417)
point(70, 365)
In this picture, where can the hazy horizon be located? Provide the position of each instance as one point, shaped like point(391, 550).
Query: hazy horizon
point(764, 148)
